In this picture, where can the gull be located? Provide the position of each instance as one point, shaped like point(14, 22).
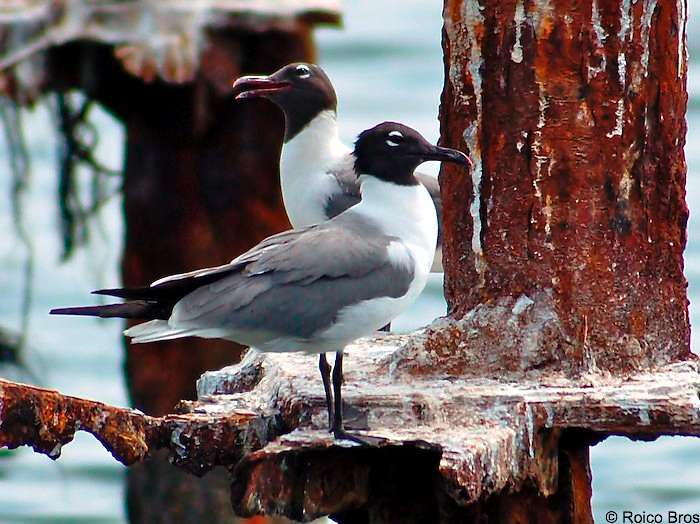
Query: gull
point(316, 169)
point(315, 289)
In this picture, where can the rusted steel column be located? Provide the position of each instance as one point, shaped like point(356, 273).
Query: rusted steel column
point(574, 116)
point(198, 191)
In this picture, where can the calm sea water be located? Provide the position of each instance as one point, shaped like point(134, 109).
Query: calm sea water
point(386, 64)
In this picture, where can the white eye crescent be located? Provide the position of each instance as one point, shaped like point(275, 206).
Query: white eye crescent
point(303, 71)
point(395, 138)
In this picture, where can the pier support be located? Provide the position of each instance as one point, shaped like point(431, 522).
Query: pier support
point(568, 314)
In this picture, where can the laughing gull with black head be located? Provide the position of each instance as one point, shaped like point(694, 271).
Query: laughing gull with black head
point(316, 168)
point(314, 289)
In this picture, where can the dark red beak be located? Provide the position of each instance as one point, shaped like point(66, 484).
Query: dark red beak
point(257, 86)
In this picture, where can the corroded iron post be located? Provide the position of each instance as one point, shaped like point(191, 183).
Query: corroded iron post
point(574, 116)
point(196, 194)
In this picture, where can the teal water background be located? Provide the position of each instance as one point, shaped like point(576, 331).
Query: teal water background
point(386, 65)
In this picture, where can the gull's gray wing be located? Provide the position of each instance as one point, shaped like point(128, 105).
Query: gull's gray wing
point(348, 193)
point(294, 284)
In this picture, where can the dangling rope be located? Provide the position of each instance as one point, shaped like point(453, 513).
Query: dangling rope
point(20, 171)
point(78, 139)
point(77, 203)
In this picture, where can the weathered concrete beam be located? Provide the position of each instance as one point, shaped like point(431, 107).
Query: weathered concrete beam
point(487, 433)
point(164, 40)
point(264, 419)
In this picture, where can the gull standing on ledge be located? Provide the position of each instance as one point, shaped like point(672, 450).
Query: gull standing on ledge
point(316, 169)
point(315, 289)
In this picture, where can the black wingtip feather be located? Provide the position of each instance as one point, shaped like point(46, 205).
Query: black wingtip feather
point(136, 310)
point(114, 292)
point(88, 311)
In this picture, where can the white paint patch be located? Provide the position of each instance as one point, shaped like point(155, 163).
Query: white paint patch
point(540, 159)
point(547, 212)
point(682, 7)
point(645, 29)
point(622, 36)
point(474, 19)
point(619, 119)
point(530, 419)
point(600, 32)
point(516, 55)
point(521, 305)
point(461, 36)
point(543, 105)
point(601, 37)
point(471, 138)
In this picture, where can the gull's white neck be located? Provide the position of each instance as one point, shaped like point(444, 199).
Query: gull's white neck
point(304, 165)
point(406, 212)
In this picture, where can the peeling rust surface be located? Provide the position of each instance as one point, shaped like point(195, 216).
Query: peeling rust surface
point(165, 40)
point(47, 420)
point(574, 118)
point(197, 440)
point(487, 431)
point(470, 436)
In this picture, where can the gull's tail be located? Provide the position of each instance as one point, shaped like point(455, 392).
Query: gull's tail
point(156, 330)
point(154, 304)
point(153, 331)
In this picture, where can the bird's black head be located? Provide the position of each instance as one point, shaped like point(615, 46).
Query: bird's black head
point(300, 90)
point(392, 151)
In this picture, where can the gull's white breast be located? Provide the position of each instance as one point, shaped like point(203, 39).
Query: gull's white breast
point(305, 163)
point(406, 212)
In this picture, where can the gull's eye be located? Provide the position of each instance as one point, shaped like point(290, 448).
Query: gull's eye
point(303, 71)
point(394, 138)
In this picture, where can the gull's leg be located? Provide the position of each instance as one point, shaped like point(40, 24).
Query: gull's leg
point(325, 369)
point(338, 430)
